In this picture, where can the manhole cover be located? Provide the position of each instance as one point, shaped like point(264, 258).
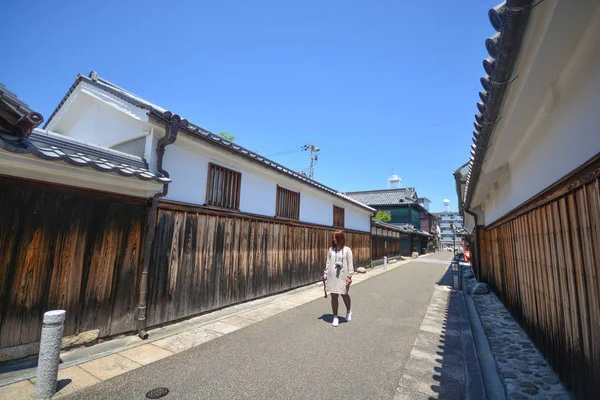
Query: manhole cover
point(157, 393)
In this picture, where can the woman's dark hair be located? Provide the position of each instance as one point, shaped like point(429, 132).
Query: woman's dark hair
point(340, 237)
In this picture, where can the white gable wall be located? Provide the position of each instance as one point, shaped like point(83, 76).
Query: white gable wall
point(93, 116)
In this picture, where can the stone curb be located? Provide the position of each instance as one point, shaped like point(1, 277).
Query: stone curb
point(491, 379)
point(474, 380)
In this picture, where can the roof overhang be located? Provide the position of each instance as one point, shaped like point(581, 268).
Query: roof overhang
point(27, 166)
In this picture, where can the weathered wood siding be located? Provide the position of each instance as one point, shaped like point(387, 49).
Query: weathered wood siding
point(380, 249)
point(67, 249)
point(544, 263)
point(203, 260)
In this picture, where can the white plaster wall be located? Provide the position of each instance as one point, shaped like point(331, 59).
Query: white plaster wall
point(357, 219)
point(105, 126)
point(315, 209)
point(258, 194)
point(188, 172)
point(92, 115)
point(561, 143)
point(187, 163)
point(563, 133)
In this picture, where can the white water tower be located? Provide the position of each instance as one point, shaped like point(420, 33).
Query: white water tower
point(446, 205)
point(394, 182)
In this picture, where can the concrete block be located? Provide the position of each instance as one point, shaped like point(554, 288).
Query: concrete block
point(20, 351)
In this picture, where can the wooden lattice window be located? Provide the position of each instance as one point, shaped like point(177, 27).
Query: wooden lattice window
point(223, 187)
point(338, 217)
point(288, 203)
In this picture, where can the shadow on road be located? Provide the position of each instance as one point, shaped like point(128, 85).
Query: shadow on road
point(449, 371)
point(328, 318)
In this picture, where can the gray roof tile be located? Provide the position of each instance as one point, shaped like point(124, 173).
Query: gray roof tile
point(51, 146)
point(385, 197)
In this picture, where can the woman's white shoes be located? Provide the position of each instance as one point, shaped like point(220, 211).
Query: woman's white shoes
point(336, 321)
point(349, 316)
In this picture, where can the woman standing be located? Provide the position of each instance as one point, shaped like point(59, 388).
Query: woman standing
point(338, 274)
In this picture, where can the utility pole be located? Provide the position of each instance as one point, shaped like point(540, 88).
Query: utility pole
point(453, 227)
point(314, 158)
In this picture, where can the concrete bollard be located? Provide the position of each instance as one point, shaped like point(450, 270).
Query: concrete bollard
point(384, 263)
point(47, 370)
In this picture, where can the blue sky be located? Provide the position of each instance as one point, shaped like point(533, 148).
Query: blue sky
point(379, 86)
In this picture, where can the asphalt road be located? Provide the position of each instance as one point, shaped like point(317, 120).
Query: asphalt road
point(297, 354)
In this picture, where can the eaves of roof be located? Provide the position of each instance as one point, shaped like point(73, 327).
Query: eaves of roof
point(391, 227)
point(199, 132)
point(510, 21)
point(51, 146)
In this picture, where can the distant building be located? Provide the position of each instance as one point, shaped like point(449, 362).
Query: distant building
point(408, 211)
point(446, 218)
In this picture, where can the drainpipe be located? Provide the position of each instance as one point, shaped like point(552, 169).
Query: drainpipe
point(172, 124)
point(474, 215)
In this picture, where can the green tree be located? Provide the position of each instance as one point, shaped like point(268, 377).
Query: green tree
point(226, 135)
point(383, 217)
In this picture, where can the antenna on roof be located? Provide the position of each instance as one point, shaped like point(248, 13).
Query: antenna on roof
point(314, 158)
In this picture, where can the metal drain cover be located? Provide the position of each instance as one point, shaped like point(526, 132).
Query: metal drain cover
point(157, 393)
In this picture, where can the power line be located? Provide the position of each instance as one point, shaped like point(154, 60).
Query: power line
point(281, 153)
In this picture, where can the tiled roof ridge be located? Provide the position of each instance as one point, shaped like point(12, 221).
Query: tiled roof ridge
point(38, 133)
point(509, 19)
point(382, 190)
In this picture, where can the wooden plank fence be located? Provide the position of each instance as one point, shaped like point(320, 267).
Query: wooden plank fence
point(544, 264)
point(63, 248)
point(385, 247)
point(67, 249)
point(204, 260)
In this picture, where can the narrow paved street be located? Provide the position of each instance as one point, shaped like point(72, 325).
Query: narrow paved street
point(298, 354)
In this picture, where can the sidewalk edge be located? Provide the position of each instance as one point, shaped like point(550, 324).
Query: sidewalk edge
point(474, 380)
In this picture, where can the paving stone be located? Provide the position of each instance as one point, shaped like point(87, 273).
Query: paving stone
point(221, 327)
point(73, 379)
point(527, 385)
point(187, 340)
point(239, 321)
point(407, 394)
point(146, 354)
point(110, 366)
point(517, 396)
point(19, 390)
point(551, 380)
